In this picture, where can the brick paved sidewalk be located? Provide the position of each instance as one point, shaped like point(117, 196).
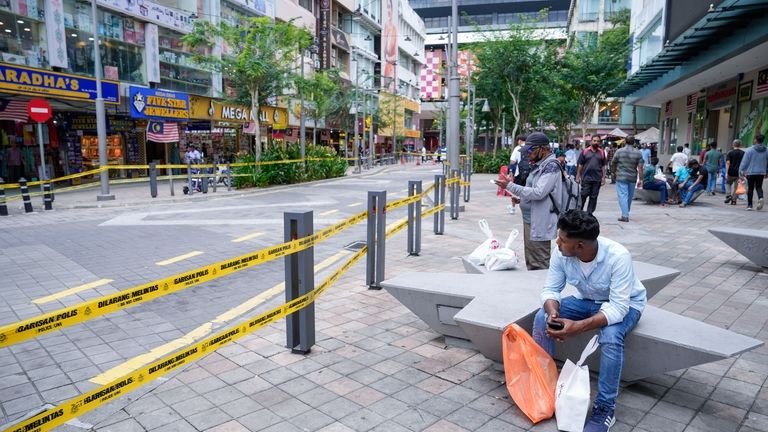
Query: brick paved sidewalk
point(377, 367)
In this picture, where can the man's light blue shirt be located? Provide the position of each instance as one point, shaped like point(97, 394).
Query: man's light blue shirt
point(611, 282)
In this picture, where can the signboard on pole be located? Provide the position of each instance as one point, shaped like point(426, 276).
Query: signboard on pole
point(39, 110)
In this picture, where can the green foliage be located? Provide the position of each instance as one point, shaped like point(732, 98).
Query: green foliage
point(330, 166)
point(490, 162)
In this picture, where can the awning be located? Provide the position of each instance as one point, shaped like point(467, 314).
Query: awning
point(648, 136)
point(617, 132)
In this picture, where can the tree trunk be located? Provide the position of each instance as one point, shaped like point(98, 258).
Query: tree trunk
point(496, 133)
point(257, 127)
point(314, 134)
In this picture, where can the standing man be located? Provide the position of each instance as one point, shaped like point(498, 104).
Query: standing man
point(754, 167)
point(627, 172)
point(539, 220)
point(519, 167)
point(590, 173)
point(13, 159)
point(571, 159)
point(687, 150)
point(609, 299)
point(732, 163)
point(646, 152)
point(712, 165)
point(678, 159)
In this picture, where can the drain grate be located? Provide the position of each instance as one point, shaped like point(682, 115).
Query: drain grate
point(355, 245)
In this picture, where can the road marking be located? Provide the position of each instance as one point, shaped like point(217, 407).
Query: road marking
point(202, 330)
point(179, 258)
point(247, 237)
point(404, 191)
point(329, 212)
point(71, 291)
point(394, 224)
point(393, 194)
point(354, 204)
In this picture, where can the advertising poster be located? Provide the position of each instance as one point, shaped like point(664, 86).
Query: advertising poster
point(389, 45)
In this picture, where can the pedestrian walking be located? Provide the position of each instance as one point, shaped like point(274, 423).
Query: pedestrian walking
point(590, 174)
point(678, 159)
point(732, 163)
point(712, 165)
point(651, 183)
point(687, 150)
point(646, 153)
point(519, 167)
point(542, 187)
point(695, 183)
point(627, 173)
point(609, 299)
point(571, 159)
point(754, 166)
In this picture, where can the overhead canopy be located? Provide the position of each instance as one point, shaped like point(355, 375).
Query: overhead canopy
point(648, 136)
point(618, 132)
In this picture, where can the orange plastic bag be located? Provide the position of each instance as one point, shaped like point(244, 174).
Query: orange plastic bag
point(530, 372)
point(740, 189)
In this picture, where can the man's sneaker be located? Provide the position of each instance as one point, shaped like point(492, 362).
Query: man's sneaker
point(749, 208)
point(727, 199)
point(760, 203)
point(601, 420)
point(510, 209)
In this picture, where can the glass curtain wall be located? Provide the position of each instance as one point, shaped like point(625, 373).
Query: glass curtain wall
point(21, 33)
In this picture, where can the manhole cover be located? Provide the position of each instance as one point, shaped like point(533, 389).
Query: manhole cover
point(355, 245)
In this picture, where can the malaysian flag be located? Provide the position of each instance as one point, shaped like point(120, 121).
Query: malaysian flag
point(690, 102)
point(161, 132)
point(762, 82)
point(15, 110)
point(668, 109)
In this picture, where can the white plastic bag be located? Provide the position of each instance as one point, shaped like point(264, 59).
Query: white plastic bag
point(572, 392)
point(503, 258)
point(477, 257)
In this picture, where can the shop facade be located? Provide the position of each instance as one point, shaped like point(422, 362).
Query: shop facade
point(160, 118)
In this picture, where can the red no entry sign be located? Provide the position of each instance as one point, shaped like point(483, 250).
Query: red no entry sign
point(39, 110)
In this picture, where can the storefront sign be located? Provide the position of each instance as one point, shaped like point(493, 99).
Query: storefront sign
point(325, 34)
point(340, 39)
point(745, 91)
point(56, 36)
point(87, 123)
point(258, 6)
point(158, 104)
point(38, 82)
point(148, 11)
point(152, 44)
point(209, 109)
point(720, 97)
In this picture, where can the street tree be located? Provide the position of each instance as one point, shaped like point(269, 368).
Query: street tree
point(259, 59)
point(558, 106)
point(326, 95)
point(593, 70)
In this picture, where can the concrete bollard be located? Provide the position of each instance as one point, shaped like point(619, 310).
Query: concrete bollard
point(203, 180)
point(190, 189)
point(299, 280)
point(153, 179)
point(47, 197)
point(455, 191)
point(215, 177)
point(3, 204)
point(25, 195)
point(414, 219)
point(229, 178)
point(439, 199)
point(376, 239)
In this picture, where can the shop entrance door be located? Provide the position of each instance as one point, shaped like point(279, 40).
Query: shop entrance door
point(156, 152)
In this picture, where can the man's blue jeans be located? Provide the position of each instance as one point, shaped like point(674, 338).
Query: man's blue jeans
point(611, 344)
point(659, 186)
point(711, 180)
point(625, 191)
point(687, 192)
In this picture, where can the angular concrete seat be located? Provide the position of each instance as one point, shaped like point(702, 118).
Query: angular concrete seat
point(751, 243)
point(648, 195)
point(477, 307)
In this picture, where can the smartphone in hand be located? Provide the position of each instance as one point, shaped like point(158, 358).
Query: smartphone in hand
point(556, 325)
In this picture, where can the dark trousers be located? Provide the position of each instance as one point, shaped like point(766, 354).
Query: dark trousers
point(754, 183)
point(589, 189)
point(537, 253)
point(15, 172)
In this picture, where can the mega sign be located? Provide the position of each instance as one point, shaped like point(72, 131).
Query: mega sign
point(39, 82)
point(158, 104)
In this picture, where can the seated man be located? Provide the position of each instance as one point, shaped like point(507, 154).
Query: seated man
point(695, 183)
point(610, 299)
point(650, 182)
point(681, 176)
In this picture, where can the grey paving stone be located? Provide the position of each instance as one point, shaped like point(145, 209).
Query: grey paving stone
point(440, 406)
point(259, 420)
point(317, 397)
point(362, 420)
point(715, 416)
point(460, 394)
point(388, 407)
point(390, 426)
point(289, 408)
point(311, 420)
point(737, 399)
point(756, 421)
point(177, 426)
point(207, 419)
point(496, 425)
point(192, 406)
point(673, 412)
point(279, 375)
point(207, 385)
point(489, 405)
point(240, 407)
point(468, 418)
point(653, 422)
point(412, 395)
point(389, 385)
point(415, 419)
point(127, 425)
point(223, 395)
point(339, 408)
point(158, 418)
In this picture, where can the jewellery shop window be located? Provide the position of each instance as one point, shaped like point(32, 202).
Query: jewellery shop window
point(122, 43)
point(178, 72)
point(21, 39)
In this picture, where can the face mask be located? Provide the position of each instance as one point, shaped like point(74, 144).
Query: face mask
point(594, 145)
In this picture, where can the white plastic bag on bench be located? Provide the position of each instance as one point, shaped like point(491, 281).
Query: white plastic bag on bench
point(572, 392)
point(477, 257)
point(503, 258)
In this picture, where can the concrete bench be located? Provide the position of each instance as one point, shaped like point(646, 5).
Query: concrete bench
point(475, 308)
point(648, 195)
point(751, 243)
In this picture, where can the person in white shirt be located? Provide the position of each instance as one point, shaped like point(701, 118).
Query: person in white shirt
point(514, 161)
point(678, 159)
point(687, 150)
point(571, 157)
point(192, 155)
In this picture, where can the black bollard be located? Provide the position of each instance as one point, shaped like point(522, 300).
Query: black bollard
point(25, 195)
point(153, 179)
point(47, 198)
point(3, 205)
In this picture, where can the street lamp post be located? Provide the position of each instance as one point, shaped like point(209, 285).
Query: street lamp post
point(101, 117)
point(453, 89)
point(302, 111)
point(354, 108)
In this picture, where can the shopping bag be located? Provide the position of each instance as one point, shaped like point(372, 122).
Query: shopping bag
point(477, 257)
point(572, 395)
point(530, 373)
point(740, 189)
point(503, 258)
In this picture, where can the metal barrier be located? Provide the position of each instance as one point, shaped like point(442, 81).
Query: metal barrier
point(377, 225)
point(414, 219)
point(455, 192)
point(299, 281)
point(3, 203)
point(47, 197)
point(153, 179)
point(25, 195)
point(439, 200)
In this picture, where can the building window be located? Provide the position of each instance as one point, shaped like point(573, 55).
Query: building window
point(307, 4)
point(613, 7)
point(589, 10)
point(586, 39)
point(122, 43)
point(21, 40)
point(609, 113)
point(178, 71)
point(649, 44)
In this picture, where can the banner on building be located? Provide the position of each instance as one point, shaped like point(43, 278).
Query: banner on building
point(324, 24)
point(431, 76)
point(668, 109)
point(158, 14)
point(38, 82)
point(158, 104)
point(56, 36)
point(762, 83)
point(690, 102)
point(389, 45)
point(152, 44)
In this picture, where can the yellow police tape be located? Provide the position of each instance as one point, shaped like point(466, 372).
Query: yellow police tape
point(56, 320)
point(79, 405)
